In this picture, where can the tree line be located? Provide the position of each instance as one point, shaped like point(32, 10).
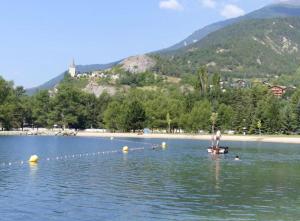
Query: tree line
point(169, 108)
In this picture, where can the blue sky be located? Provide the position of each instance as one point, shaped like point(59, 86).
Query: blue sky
point(40, 38)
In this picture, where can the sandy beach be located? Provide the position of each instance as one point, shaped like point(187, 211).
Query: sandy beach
point(247, 138)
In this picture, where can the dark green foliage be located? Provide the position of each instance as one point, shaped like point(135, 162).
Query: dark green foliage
point(225, 117)
point(134, 116)
point(101, 105)
point(140, 79)
point(78, 83)
point(199, 118)
point(112, 116)
point(287, 118)
point(41, 108)
point(14, 106)
point(202, 81)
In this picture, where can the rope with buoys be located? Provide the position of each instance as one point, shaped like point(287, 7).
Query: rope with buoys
point(132, 141)
point(34, 159)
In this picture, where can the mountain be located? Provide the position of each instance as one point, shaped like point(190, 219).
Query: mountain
point(96, 67)
point(81, 68)
point(48, 85)
point(270, 11)
point(251, 48)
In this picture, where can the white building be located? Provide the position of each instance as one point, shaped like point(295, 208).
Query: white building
point(72, 69)
point(115, 77)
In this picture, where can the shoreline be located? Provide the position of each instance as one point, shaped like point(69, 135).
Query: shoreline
point(243, 138)
point(289, 139)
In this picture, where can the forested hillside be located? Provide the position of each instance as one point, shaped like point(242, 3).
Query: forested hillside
point(252, 48)
point(270, 11)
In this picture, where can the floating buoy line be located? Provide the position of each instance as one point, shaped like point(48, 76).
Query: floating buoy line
point(34, 159)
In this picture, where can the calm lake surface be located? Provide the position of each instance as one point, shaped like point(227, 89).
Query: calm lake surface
point(182, 182)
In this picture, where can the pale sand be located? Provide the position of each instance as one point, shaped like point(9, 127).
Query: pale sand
point(247, 138)
point(263, 138)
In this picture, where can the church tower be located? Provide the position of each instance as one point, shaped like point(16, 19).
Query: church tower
point(72, 69)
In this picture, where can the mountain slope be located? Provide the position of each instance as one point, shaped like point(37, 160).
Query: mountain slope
point(48, 85)
point(271, 11)
point(250, 48)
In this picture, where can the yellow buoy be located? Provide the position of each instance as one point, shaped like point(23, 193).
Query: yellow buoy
point(125, 149)
point(33, 159)
point(164, 145)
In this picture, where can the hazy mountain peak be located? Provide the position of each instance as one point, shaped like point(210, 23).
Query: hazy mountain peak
point(288, 2)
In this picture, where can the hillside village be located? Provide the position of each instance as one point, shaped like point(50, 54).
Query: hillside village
point(99, 81)
point(94, 74)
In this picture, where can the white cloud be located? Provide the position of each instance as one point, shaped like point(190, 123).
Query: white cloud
point(171, 5)
point(209, 3)
point(232, 11)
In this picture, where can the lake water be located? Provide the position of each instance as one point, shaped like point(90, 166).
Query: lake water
point(85, 179)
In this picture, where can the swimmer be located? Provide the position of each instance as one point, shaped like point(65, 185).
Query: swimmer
point(237, 158)
point(155, 147)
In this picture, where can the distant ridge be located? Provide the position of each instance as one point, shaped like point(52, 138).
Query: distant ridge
point(81, 68)
point(46, 86)
point(95, 67)
point(262, 48)
point(270, 11)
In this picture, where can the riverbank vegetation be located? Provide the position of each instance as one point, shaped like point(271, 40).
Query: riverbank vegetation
point(171, 108)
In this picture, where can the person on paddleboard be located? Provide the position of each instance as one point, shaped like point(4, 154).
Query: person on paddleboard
point(216, 141)
point(218, 138)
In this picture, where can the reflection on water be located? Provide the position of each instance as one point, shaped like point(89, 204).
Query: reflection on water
point(33, 168)
point(216, 159)
point(181, 182)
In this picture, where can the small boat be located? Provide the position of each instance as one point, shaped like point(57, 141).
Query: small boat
point(220, 150)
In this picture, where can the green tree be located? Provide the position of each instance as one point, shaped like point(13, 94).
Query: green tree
point(199, 118)
point(41, 108)
point(67, 107)
point(259, 125)
point(215, 90)
point(159, 106)
point(268, 112)
point(12, 109)
point(214, 120)
point(295, 106)
point(287, 119)
point(112, 116)
point(225, 117)
point(102, 103)
point(134, 116)
point(169, 121)
point(202, 81)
